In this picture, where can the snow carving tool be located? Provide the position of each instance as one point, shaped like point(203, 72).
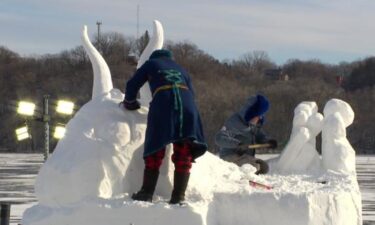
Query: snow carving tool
point(255, 146)
point(259, 185)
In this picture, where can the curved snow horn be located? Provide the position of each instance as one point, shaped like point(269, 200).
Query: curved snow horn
point(102, 75)
point(156, 42)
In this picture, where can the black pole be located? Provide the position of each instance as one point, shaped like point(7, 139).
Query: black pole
point(5, 213)
point(99, 40)
point(46, 119)
point(31, 140)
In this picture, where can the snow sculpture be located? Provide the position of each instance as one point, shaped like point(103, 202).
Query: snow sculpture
point(337, 153)
point(300, 155)
point(103, 145)
point(88, 178)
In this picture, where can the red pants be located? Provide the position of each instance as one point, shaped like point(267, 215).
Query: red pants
point(181, 158)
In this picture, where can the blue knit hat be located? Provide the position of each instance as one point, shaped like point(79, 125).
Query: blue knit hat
point(161, 53)
point(259, 108)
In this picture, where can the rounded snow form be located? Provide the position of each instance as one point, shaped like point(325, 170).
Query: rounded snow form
point(337, 153)
point(341, 107)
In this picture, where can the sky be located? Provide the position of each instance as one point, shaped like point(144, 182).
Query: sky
point(331, 31)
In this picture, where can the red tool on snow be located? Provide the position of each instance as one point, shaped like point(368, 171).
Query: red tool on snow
point(256, 184)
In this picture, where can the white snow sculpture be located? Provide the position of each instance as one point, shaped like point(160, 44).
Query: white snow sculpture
point(300, 155)
point(103, 145)
point(82, 182)
point(337, 153)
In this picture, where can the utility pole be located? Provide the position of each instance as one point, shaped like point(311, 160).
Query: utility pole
point(98, 23)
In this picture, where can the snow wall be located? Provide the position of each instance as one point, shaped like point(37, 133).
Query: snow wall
point(95, 168)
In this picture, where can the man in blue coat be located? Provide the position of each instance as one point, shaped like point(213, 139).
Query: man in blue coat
point(173, 118)
point(242, 129)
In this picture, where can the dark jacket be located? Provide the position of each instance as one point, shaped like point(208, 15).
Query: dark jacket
point(173, 115)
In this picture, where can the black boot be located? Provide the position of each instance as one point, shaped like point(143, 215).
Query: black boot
point(263, 167)
point(150, 178)
point(179, 187)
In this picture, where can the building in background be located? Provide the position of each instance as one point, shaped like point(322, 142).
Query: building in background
point(276, 74)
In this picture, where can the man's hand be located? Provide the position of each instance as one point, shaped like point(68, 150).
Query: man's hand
point(273, 143)
point(131, 105)
point(241, 149)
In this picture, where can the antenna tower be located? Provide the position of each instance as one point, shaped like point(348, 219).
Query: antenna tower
point(137, 21)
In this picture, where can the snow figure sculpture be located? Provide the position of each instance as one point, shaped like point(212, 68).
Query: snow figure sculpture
point(103, 145)
point(300, 153)
point(82, 183)
point(337, 153)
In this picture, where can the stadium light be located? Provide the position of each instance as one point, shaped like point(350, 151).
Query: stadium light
point(59, 132)
point(26, 108)
point(65, 107)
point(22, 133)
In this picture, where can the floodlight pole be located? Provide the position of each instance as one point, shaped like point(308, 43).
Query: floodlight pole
point(46, 119)
point(31, 138)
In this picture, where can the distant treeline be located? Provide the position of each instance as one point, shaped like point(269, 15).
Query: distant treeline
point(221, 87)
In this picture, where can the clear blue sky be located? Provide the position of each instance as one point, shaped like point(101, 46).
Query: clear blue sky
point(329, 30)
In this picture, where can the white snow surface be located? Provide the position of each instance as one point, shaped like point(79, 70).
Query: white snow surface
point(98, 165)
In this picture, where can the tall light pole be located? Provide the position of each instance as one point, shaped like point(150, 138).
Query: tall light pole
point(46, 119)
point(99, 23)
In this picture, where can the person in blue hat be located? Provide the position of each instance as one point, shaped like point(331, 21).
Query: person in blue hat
point(173, 118)
point(242, 129)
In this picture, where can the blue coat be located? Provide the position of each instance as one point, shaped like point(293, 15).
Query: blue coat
point(173, 115)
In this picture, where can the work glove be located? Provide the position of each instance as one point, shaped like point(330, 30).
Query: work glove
point(133, 105)
point(273, 143)
point(241, 149)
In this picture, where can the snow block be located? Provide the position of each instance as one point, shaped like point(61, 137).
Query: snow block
point(285, 208)
point(114, 212)
point(223, 197)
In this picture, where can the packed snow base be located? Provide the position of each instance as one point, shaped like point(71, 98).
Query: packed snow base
point(219, 193)
point(98, 165)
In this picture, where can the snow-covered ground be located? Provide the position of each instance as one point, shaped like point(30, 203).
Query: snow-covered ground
point(17, 178)
point(366, 179)
point(18, 173)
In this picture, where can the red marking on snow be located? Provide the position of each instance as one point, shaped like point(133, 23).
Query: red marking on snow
point(257, 185)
